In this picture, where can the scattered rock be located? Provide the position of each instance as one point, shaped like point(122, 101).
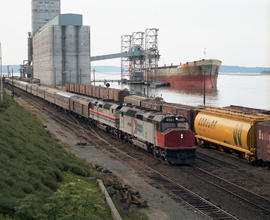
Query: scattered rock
point(106, 171)
point(123, 192)
point(81, 143)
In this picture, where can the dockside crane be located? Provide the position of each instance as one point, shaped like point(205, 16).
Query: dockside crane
point(139, 55)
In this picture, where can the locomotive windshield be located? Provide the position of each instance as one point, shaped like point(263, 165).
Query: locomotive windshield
point(173, 122)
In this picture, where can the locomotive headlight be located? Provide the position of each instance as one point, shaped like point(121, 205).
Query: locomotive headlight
point(181, 136)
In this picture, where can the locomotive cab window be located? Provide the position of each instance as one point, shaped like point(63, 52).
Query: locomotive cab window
point(173, 122)
point(182, 123)
point(139, 117)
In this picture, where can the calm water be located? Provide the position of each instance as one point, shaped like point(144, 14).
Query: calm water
point(232, 89)
point(244, 90)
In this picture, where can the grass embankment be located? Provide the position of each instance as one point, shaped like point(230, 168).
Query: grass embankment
point(38, 178)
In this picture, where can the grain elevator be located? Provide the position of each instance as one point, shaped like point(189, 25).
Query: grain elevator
point(61, 45)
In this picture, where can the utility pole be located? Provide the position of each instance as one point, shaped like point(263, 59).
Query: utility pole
point(94, 72)
point(203, 87)
point(54, 83)
point(80, 76)
point(1, 83)
point(12, 83)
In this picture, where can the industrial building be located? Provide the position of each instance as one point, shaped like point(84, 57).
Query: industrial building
point(42, 12)
point(61, 51)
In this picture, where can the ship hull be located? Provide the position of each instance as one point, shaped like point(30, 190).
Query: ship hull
point(191, 75)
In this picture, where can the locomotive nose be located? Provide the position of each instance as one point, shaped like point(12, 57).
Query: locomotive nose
point(176, 139)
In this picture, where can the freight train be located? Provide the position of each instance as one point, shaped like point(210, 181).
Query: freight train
point(245, 131)
point(165, 135)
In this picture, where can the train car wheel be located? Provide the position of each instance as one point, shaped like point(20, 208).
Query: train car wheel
point(156, 152)
point(252, 160)
point(268, 165)
point(241, 155)
point(150, 148)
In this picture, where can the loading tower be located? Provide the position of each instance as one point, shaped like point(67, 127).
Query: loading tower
point(151, 53)
point(139, 53)
point(125, 48)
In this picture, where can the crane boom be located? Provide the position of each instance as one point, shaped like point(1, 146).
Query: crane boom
point(136, 52)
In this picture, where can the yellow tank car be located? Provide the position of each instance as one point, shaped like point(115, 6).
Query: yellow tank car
point(229, 129)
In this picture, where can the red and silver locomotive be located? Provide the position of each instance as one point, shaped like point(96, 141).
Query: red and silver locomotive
point(165, 135)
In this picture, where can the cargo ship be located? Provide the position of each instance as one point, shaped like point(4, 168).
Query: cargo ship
point(190, 75)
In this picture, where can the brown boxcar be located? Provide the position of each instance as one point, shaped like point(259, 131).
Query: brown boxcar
point(96, 92)
point(92, 91)
point(106, 93)
point(169, 108)
point(67, 87)
point(72, 87)
point(152, 104)
point(135, 100)
point(82, 89)
point(116, 95)
point(121, 95)
point(77, 88)
point(187, 111)
point(111, 94)
point(103, 93)
point(247, 109)
point(263, 141)
point(88, 90)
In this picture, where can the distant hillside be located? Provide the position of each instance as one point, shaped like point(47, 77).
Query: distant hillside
point(242, 69)
point(16, 68)
point(117, 69)
point(108, 69)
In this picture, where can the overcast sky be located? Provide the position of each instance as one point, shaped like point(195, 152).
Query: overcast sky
point(235, 31)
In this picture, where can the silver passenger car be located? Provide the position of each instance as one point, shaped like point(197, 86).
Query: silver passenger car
point(80, 105)
point(62, 99)
point(49, 95)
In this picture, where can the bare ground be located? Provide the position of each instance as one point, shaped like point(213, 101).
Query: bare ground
point(161, 206)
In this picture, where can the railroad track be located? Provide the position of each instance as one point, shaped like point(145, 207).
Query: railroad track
point(214, 161)
point(179, 192)
point(241, 193)
point(241, 174)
